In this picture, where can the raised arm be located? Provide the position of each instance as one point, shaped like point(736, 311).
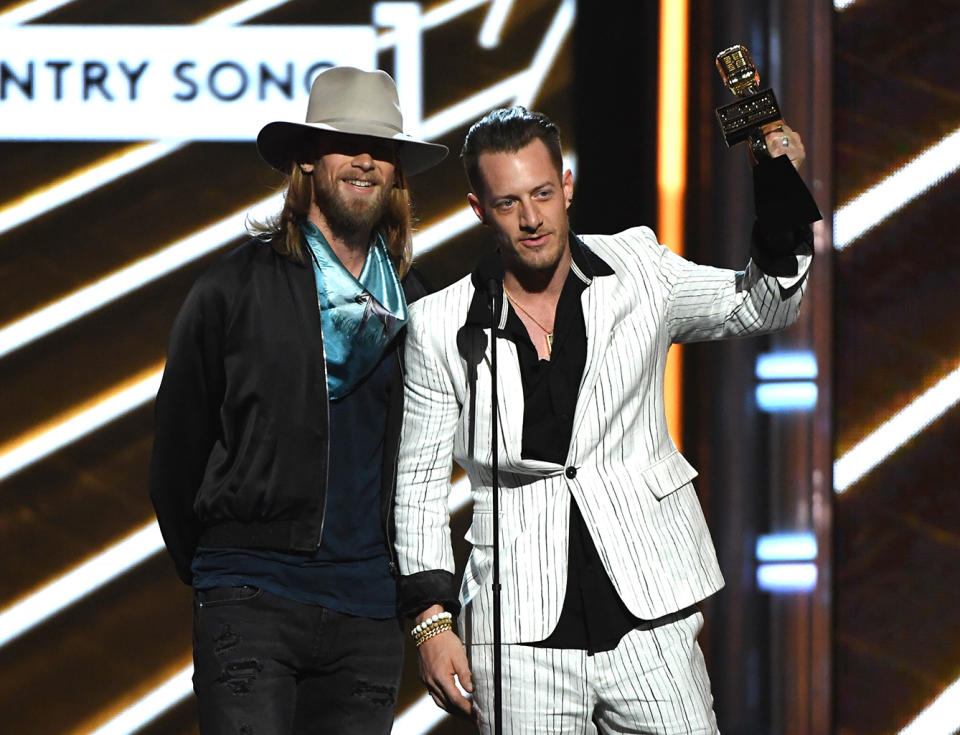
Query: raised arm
point(712, 303)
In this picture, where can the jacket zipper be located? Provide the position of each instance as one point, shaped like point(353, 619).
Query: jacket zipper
point(326, 407)
point(391, 550)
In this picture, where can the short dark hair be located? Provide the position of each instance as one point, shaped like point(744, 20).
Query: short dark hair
point(507, 130)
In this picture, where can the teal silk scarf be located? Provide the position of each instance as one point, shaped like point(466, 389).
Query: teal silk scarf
point(359, 317)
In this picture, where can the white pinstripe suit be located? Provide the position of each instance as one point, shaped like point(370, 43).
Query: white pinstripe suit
point(632, 485)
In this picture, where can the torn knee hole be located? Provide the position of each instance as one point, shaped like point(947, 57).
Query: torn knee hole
point(381, 695)
point(239, 676)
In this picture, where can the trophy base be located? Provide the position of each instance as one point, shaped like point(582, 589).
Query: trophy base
point(747, 113)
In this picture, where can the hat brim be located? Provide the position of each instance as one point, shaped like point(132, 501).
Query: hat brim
point(279, 143)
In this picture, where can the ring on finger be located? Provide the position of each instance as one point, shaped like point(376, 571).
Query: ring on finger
point(785, 141)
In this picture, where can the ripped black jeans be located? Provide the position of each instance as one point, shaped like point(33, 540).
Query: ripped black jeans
point(265, 665)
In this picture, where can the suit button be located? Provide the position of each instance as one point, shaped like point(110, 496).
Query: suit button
point(570, 472)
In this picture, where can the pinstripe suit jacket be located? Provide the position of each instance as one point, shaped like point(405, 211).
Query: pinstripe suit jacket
point(630, 482)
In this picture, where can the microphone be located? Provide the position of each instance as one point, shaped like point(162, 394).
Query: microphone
point(487, 277)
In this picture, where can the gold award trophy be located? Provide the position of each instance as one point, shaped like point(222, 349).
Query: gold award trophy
point(741, 120)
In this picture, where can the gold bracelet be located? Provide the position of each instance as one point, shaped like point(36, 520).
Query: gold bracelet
point(433, 625)
point(440, 626)
point(430, 634)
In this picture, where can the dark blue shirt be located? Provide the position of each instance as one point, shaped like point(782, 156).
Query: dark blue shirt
point(349, 572)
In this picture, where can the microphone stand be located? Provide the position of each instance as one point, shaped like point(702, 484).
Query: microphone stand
point(497, 688)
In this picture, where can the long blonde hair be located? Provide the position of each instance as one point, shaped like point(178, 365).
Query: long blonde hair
point(282, 230)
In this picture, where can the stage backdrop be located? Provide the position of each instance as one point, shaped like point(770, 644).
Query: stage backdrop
point(897, 133)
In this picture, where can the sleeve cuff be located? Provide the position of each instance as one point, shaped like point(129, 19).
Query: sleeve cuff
point(417, 592)
point(781, 199)
point(784, 253)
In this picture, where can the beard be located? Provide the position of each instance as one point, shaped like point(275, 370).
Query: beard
point(534, 267)
point(348, 217)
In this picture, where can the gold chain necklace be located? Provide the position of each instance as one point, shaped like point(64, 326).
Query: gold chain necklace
point(547, 334)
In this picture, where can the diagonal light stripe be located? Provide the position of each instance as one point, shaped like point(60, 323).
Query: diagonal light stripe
point(472, 107)
point(119, 283)
point(521, 88)
point(446, 229)
point(494, 23)
point(241, 12)
point(460, 495)
point(434, 17)
point(880, 201)
point(942, 717)
point(420, 717)
point(27, 451)
point(547, 53)
point(79, 582)
point(31, 10)
point(896, 431)
point(141, 713)
point(79, 183)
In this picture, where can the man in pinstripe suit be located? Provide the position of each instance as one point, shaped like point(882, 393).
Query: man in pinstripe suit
point(604, 549)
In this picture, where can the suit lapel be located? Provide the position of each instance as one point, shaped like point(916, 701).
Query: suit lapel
point(510, 398)
point(598, 317)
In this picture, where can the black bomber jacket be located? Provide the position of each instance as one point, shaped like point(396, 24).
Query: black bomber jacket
point(241, 418)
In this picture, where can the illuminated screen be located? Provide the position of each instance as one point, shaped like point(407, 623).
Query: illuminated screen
point(207, 82)
point(128, 166)
point(897, 138)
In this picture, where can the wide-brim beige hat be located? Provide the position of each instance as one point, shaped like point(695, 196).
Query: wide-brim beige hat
point(349, 101)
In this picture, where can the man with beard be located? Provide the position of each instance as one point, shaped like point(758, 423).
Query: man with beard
point(277, 426)
point(605, 552)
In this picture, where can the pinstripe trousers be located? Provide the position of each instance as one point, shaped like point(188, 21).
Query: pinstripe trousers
point(653, 683)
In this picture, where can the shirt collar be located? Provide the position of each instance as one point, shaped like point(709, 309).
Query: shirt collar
point(584, 264)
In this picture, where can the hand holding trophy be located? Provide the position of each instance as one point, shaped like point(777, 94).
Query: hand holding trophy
point(755, 115)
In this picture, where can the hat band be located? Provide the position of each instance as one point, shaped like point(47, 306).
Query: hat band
point(359, 121)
